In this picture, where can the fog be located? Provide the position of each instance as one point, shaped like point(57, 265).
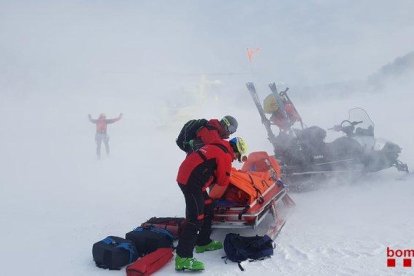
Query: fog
point(161, 63)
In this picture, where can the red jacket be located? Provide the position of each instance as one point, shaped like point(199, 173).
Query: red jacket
point(278, 119)
point(211, 132)
point(210, 163)
point(102, 123)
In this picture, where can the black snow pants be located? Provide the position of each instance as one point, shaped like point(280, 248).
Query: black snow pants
point(199, 215)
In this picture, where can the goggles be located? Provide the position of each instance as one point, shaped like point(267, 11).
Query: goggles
point(229, 127)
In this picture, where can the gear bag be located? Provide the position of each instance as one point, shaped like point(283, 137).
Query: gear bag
point(114, 253)
point(173, 225)
point(150, 263)
point(149, 238)
point(239, 248)
point(188, 133)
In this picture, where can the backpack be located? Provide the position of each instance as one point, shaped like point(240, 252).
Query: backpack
point(173, 225)
point(239, 248)
point(149, 238)
point(188, 133)
point(114, 253)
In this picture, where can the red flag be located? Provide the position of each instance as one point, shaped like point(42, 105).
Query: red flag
point(251, 52)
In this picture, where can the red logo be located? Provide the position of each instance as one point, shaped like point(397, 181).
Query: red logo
point(393, 255)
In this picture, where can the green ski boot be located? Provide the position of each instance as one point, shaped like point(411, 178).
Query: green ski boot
point(188, 263)
point(213, 245)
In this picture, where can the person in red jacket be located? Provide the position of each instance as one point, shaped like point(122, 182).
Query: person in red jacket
point(283, 123)
point(216, 129)
point(211, 164)
point(101, 134)
point(210, 131)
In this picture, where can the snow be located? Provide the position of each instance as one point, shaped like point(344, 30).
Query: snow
point(56, 199)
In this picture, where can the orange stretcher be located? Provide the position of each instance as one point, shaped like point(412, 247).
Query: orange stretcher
point(254, 191)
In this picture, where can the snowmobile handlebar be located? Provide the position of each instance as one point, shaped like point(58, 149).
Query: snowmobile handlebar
point(341, 125)
point(347, 129)
point(356, 123)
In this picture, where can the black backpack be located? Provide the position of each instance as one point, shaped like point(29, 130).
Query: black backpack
point(114, 253)
point(239, 248)
point(149, 238)
point(188, 133)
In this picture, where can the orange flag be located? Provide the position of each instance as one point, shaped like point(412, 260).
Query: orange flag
point(251, 52)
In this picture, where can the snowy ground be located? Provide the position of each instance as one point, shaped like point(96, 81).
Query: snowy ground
point(57, 199)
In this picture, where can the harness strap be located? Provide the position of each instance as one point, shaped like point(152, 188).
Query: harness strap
point(223, 148)
point(202, 155)
point(210, 127)
point(264, 182)
point(258, 192)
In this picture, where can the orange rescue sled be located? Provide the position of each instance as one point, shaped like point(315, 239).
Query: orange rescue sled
point(253, 192)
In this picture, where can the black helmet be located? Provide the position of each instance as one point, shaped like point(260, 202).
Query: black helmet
point(229, 123)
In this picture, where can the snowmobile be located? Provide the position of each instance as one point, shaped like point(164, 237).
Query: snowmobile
point(304, 154)
point(254, 192)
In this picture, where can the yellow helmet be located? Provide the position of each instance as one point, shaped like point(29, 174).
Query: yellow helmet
point(270, 104)
point(239, 146)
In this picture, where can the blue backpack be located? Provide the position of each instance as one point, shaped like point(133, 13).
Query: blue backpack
point(149, 238)
point(239, 248)
point(114, 253)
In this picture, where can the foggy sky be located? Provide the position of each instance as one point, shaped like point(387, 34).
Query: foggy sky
point(101, 46)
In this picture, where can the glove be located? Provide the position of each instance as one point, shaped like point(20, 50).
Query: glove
point(216, 191)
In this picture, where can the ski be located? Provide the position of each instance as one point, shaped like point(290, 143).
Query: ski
point(265, 121)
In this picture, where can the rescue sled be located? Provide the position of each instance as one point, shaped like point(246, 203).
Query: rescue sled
point(254, 191)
